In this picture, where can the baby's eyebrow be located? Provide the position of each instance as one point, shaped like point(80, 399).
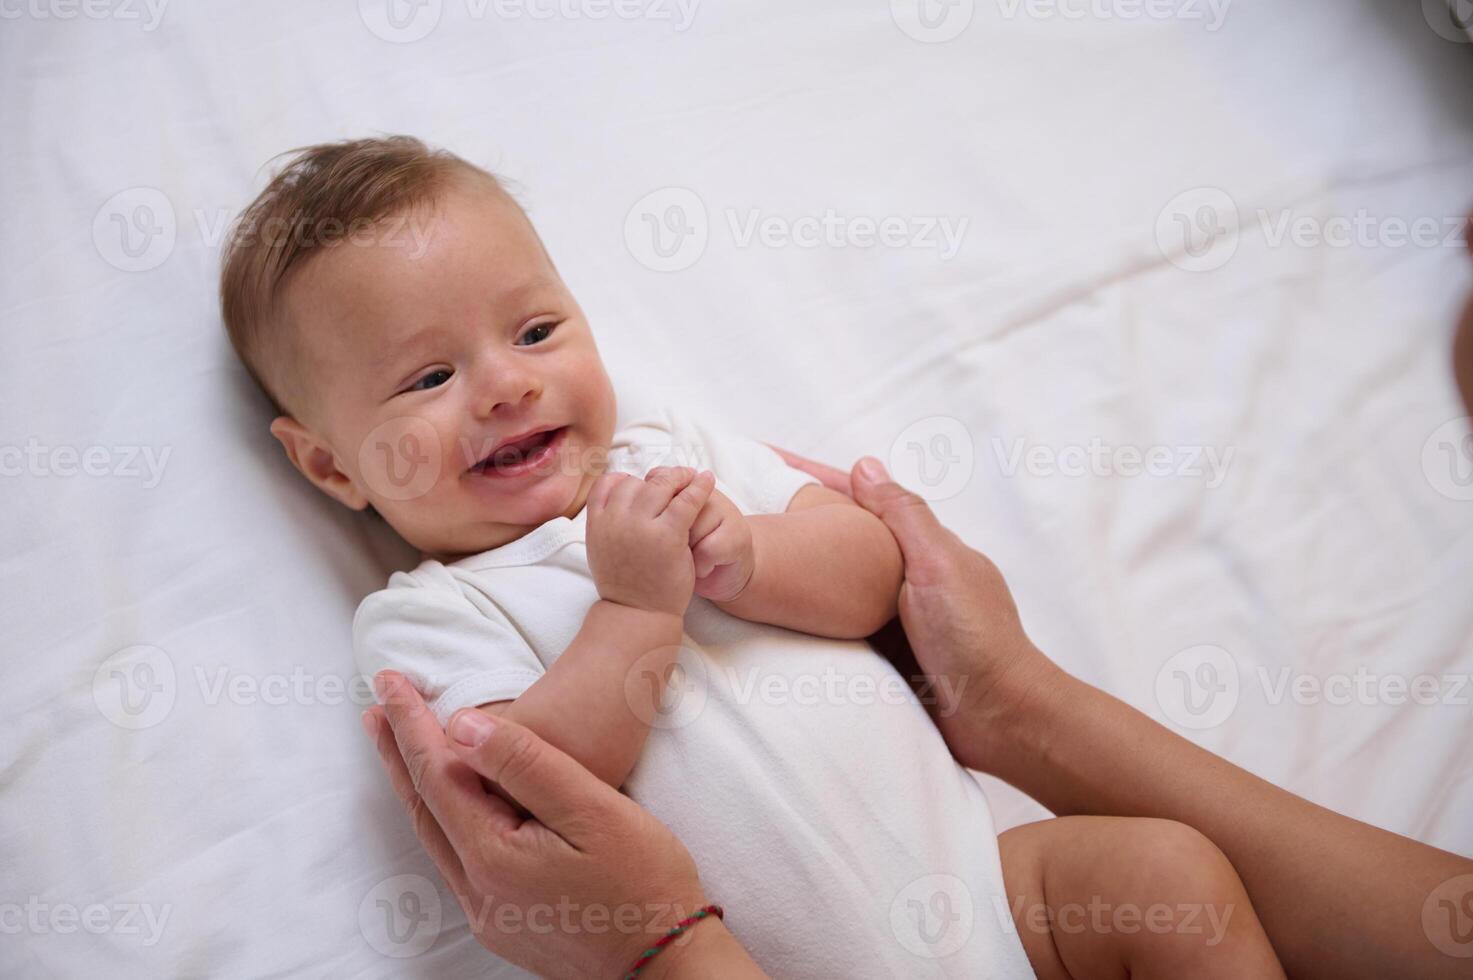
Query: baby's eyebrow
point(400, 352)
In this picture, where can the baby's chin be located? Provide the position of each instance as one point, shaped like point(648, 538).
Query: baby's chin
point(502, 519)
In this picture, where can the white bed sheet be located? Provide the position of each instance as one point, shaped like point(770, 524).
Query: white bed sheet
point(244, 829)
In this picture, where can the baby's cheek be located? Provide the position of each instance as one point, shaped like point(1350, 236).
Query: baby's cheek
point(401, 459)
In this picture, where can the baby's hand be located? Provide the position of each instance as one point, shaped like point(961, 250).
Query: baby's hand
point(721, 544)
point(639, 536)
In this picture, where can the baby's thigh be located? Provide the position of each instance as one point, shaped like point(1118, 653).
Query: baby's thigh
point(1114, 897)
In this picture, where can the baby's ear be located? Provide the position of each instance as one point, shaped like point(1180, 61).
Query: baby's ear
point(316, 461)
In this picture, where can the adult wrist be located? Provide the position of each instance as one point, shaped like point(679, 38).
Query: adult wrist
point(1002, 727)
point(709, 950)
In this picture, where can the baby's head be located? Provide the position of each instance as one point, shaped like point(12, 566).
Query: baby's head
point(401, 313)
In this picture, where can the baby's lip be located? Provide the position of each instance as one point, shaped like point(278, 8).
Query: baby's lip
point(518, 438)
point(481, 463)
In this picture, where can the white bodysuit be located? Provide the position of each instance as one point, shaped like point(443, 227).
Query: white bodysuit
point(818, 799)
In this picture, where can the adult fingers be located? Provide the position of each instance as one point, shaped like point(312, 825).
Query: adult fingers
point(426, 828)
point(907, 515)
point(453, 792)
point(560, 793)
point(829, 476)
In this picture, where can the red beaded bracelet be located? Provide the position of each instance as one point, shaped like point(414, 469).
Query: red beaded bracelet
point(669, 937)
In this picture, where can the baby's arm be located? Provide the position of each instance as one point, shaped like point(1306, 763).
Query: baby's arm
point(580, 704)
point(596, 700)
point(827, 566)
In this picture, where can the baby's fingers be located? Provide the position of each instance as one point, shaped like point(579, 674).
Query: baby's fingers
point(707, 555)
point(685, 505)
point(598, 494)
point(660, 484)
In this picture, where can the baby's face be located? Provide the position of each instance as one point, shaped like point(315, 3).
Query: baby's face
point(425, 354)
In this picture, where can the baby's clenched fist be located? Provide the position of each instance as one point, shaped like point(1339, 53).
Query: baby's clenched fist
point(721, 544)
point(639, 536)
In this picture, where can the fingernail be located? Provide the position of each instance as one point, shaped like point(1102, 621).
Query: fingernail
point(471, 727)
point(370, 727)
point(381, 686)
point(871, 469)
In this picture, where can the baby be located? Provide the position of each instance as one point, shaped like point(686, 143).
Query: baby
point(668, 603)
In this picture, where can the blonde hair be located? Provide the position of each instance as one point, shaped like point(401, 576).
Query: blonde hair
point(322, 195)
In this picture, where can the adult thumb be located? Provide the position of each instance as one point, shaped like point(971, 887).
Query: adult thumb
point(548, 782)
point(906, 514)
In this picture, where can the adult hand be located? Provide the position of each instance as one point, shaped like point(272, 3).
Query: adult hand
point(1338, 898)
point(581, 888)
point(957, 612)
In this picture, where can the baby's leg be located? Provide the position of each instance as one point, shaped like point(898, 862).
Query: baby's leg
point(1115, 897)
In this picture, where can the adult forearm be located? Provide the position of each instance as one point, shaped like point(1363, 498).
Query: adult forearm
point(1339, 898)
point(595, 701)
point(832, 570)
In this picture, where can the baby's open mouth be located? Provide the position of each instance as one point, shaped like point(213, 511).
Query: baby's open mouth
point(521, 456)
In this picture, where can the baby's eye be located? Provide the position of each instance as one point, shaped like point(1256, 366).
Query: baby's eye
point(536, 335)
point(432, 380)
